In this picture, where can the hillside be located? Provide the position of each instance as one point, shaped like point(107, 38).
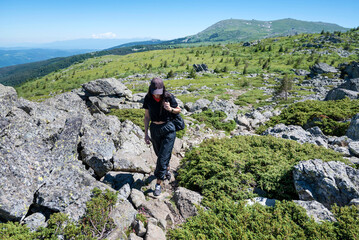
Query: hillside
point(274, 55)
point(235, 30)
point(224, 31)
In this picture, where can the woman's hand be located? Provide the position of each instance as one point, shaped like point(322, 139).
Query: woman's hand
point(147, 139)
point(166, 105)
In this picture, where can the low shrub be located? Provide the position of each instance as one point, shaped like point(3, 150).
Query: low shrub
point(286, 220)
point(329, 116)
point(215, 119)
point(231, 168)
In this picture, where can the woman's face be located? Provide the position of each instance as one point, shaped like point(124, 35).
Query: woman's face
point(157, 95)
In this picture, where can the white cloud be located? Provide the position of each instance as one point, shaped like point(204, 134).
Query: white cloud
point(108, 35)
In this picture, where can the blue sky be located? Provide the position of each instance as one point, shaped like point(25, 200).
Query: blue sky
point(46, 21)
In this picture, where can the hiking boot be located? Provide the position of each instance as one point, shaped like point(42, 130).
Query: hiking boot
point(157, 190)
point(168, 175)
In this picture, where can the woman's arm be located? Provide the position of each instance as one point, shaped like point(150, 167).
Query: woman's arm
point(146, 120)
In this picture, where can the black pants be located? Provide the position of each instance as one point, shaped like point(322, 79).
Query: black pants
point(163, 138)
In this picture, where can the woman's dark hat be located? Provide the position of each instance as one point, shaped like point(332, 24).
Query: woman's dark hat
point(156, 86)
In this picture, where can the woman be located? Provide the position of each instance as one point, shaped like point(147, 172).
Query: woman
point(159, 106)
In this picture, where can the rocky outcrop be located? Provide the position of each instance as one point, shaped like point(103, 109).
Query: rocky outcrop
point(297, 133)
point(353, 129)
point(53, 153)
point(326, 182)
point(349, 88)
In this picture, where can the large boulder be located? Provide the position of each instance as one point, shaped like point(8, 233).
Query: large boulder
point(351, 69)
point(186, 201)
point(107, 87)
point(321, 68)
point(326, 182)
point(341, 93)
point(353, 129)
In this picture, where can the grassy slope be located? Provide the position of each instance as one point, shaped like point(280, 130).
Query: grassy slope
point(232, 56)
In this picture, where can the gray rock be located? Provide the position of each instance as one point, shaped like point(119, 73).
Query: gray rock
point(139, 97)
point(300, 72)
point(354, 202)
point(137, 198)
point(34, 221)
point(97, 150)
point(124, 192)
point(321, 68)
point(316, 210)
point(354, 148)
point(225, 106)
point(107, 87)
point(189, 106)
point(352, 69)
point(326, 182)
point(340, 93)
point(133, 236)
point(140, 228)
point(133, 155)
point(28, 158)
point(159, 210)
point(154, 232)
point(200, 104)
point(7, 93)
point(351, 84)
point(353, 129)
point(297, 133)
point(262, 200)
point(123, 216)
point(186, 201)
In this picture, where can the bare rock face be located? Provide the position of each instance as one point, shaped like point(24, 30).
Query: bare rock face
point(186, 201)
point(316, 210)
point(326, 182)
point(43, 148)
